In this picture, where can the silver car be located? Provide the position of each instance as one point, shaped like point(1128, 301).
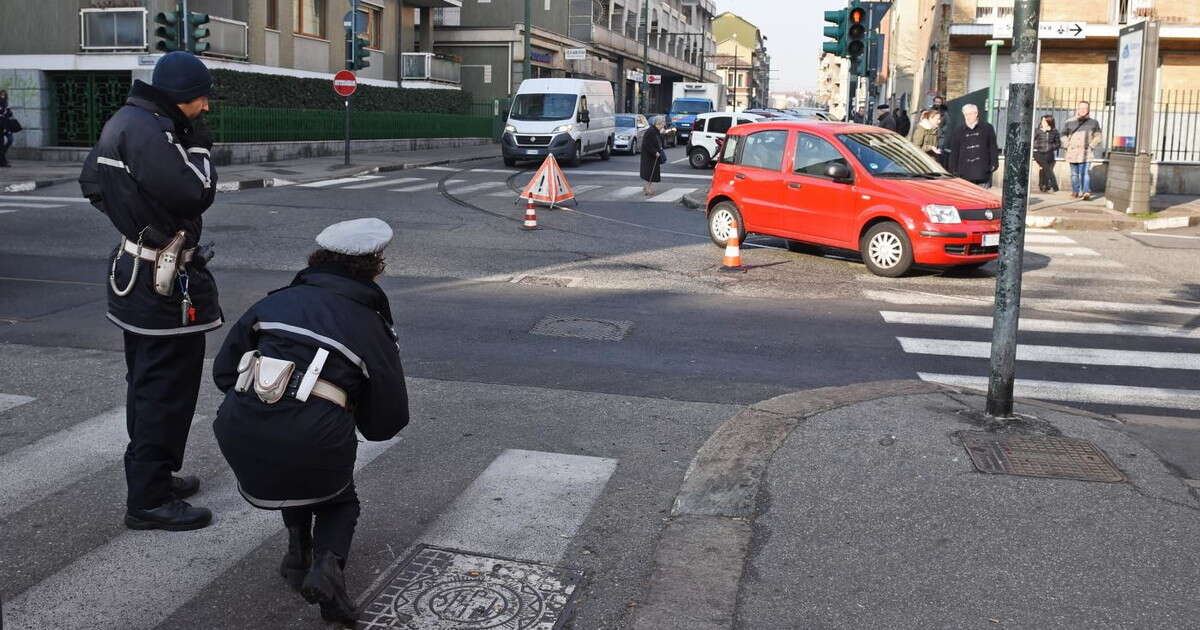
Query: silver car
point(630, 133)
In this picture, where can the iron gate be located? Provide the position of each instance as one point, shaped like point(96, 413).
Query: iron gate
point(83, 101)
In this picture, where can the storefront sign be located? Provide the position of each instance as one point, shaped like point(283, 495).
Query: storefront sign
point(542, 57)
point(634, 75)
point(576, 54)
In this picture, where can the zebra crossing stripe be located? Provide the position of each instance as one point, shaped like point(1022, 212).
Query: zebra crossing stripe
point(6, 211)
point(1074, 262)
point(340, 180)
point(1047, 238)
point(157, 571)
point(36, 199)
point(671, 196)
point(425, 186)
point(385, 182)
point(586, 187)
point(625, 191)
point(1039, 325)
point(37, 470)
point(1088, 275)
point(1032, 230)
point(10, 401)
point(475, 187)
point(931, 299)
point(1055, 354)
point(1053, 250)
point(1082, 392)
point(13, 204)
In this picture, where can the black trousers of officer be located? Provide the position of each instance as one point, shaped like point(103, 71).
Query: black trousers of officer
point(163, 383)
point(335, 522)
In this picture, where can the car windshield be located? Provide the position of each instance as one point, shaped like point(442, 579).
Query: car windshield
point(626, 121)
point(683, 106)
point(890, 155)
point(543, 107)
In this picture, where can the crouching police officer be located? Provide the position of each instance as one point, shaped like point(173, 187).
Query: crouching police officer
point(300, 370)
point(151, 175)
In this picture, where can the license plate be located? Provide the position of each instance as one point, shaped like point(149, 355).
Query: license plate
point(991, 240)
point(531, 152)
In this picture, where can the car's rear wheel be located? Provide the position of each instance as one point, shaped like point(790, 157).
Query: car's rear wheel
point(886, 250)
point(607, 153)
point(699, 158)
point(721, 220)
point(633, 147)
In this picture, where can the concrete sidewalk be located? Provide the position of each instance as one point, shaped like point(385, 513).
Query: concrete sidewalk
point(28, 175)
point(859, 507)
point(1060, 211)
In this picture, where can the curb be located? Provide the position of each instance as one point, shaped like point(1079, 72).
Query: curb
point(695, 199)
point(1166, 223)
point(34, 184)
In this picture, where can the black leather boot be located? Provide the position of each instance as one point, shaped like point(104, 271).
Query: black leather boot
point(174, 515)
point(298, 560)
point(185, 486)
point(326, 585)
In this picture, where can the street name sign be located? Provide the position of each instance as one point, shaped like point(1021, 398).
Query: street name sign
point(344, 83)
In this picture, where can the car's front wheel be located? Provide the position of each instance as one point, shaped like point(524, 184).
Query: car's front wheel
point(633, 147)
point(698, 157)
point(721, 221)
point(576, 155)
point(886, 250)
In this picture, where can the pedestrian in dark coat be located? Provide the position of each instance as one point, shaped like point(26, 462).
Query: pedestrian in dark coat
point(151, 175)
point(887, 120)
point(1045, 144)
point(652, 157)
point(974, 155)
point(6, 134)
point(903, 122)
point(292, 447)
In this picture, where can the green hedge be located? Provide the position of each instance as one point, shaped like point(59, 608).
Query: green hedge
point(270, 124)
point(251, 89)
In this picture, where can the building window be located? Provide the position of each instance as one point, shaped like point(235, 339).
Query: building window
point(113, 29)
point(448, 16)
point(273, 14)
point(310, 17)
point(373, 19)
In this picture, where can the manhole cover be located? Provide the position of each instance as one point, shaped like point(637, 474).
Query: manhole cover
point(582, 328)
point(443, 589)
point(1041, 456)
point(547, 281)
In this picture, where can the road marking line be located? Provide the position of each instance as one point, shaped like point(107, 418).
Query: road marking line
point(1030, 230)
point(492, 170)
point(340, 180)
point(75, 282)
point(13, 204)
point(437, 168)
point(912, 297)
point(475, 187)
point(6, 211)
point(35, 471)
point(1077, 262)
point(385, 182)
point(1088, 275)
point(1051, 250)
point(157, 571)
point(425, 186)
point(1164, 235)
point(545, 498)
point(671, 196)
point(1055, 354)
point(24, 197)
point(679, 161)
point(1038, 325)
point(573, 171)
point(1047, 238)
point(12, 401)
point(586, 188)
point(1082, 392)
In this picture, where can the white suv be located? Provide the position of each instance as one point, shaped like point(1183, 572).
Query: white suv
point(708, 130)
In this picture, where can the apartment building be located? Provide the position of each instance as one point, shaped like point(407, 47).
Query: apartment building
point(620, 41)
point(743, 61)
point(832, 81)
point(68, 64)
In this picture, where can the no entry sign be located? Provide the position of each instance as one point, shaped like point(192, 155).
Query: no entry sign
point(344, 83)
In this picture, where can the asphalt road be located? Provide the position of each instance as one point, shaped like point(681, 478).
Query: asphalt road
point(1113, 327)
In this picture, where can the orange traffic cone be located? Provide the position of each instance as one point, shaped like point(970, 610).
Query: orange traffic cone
point(733, 253)
point(530, 217)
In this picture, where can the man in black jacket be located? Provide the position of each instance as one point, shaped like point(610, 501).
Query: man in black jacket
point(301, 370)
point(150, 173)
point(887, 120)
point(974, 155)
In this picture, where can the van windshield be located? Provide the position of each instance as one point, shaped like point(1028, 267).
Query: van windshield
point(691, 106)
point(890, 155)
point(543, 107)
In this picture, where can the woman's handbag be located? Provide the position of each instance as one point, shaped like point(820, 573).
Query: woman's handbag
point(12, 125)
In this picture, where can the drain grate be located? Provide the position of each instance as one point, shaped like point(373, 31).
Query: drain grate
point(1041, 456)
point(444, 589)
point(547, 281)
point(582, 328)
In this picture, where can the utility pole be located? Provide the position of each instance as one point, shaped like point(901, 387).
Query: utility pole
point(528, 67)
point(1016, 201)
point(646, 58)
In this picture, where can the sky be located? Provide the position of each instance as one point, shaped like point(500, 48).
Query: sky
point(793, 31)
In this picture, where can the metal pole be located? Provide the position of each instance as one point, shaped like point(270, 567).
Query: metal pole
point(350, 64)
point(528, 67)
point(868, 39)
point(995, 45)
point(347, 131)
point(183, 25)
point(1012, 218)
point(646, 59)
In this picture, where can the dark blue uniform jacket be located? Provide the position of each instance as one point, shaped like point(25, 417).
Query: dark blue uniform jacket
point(296, 453)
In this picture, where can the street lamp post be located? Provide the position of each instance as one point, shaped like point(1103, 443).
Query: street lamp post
point(528, 66)
point(645, 96)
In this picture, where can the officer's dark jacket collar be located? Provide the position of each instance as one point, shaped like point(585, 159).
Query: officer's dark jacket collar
point(153, 100)
point(337, 279)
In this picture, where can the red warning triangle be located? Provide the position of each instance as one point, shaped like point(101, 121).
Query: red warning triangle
point(549, 184)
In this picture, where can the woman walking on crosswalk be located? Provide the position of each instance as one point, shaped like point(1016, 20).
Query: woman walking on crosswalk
point(652, 157)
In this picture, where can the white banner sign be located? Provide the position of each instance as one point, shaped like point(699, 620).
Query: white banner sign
point(1129, 88)
point(576, 54)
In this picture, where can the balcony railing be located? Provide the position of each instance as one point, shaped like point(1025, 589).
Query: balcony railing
point(430, 67)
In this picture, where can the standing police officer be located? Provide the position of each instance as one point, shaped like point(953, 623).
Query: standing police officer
point(150, 173)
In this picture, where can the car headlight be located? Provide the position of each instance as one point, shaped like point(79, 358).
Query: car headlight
point(510, 129)
point(564, 128)
point(942, 214)
point(622, 137)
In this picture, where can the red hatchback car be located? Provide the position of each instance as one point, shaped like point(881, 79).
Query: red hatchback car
point(852, 187)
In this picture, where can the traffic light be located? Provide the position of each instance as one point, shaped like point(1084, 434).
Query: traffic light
point(167, 31)
point(195, 26)
point(836, 32)
point(359, 54)
point(854, 41)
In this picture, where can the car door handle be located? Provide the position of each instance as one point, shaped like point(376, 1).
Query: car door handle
point(795, 185)
point(740, 176)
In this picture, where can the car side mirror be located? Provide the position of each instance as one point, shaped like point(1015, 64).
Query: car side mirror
point(838, 172)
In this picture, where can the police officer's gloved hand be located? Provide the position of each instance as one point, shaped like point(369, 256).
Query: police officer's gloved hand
point(201, 136)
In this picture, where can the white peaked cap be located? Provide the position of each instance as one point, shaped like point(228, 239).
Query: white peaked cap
point(357, 237)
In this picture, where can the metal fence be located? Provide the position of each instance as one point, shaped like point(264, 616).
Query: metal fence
point(269, 124)
point(1176, 129)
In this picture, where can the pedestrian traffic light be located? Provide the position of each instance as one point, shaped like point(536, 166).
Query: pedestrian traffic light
point(856, 32)
point(836, 32)
point(197, 32)
point(167, 31)
point(359, 54)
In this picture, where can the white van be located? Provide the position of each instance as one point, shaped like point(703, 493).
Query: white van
point(708, 130)
point(570, 118)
